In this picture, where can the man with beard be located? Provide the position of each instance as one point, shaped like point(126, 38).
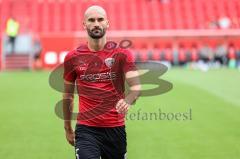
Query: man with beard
point(99, 73)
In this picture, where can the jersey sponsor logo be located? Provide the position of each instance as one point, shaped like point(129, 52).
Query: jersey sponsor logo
point(109, 62)
point(99, 77)
point(81, 68)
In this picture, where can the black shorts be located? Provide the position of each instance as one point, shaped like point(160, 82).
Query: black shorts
point(93, 142)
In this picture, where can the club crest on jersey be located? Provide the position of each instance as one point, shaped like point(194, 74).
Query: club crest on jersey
point(109, 62)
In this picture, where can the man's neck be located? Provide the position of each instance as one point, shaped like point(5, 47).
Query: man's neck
point(96, 44)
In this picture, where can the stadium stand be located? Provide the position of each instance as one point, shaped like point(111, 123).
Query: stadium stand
point(66, 15)
point(187, 23)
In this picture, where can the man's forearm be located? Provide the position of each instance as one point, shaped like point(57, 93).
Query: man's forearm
point(67, 112)
point(132, 96)
point(133, 81)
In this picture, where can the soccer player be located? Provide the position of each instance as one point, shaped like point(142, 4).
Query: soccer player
point(99, 72)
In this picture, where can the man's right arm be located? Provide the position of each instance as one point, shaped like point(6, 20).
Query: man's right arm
point(68, 97)
point(69, 77)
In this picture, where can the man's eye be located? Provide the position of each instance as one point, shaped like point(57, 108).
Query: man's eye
point(91, 20)
point(100, 19)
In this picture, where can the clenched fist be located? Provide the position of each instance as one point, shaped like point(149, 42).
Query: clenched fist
point(122, 106)
point(70, 136)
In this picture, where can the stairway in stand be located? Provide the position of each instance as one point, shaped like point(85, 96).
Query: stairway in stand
point(16, 62)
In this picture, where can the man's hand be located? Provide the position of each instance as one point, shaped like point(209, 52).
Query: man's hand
point(133, 81)
point(70, 136)
point(122, 106)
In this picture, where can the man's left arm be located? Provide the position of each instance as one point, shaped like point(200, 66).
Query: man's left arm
point(132, 78)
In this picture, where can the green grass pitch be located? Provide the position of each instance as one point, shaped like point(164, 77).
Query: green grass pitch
point(29, 129)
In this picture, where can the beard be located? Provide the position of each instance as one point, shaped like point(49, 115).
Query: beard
point(96, 33)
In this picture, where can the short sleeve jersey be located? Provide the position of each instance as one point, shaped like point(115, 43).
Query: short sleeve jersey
point(99, 77)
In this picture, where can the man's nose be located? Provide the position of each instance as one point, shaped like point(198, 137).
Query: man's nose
point(96, 23)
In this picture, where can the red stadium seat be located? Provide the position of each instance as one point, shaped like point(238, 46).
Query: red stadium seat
point(194, 55)
point(168, 54)
point(182, 55)
point(231, 53)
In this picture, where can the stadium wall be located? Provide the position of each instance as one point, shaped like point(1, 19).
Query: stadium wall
point(54, 49)
point(55, 46)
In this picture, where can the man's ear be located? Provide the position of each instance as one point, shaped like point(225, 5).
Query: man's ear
point(107, 24)
point(84, 25)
